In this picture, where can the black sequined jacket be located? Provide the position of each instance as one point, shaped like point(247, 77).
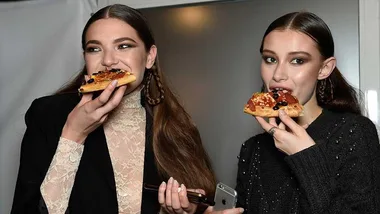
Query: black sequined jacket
point(340, 174)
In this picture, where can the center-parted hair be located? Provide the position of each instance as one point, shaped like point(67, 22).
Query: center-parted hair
point(334, 92)
point(177, 144)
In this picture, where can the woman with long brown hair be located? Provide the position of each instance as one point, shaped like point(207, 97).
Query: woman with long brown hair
point(328, 159)
point(92, 154)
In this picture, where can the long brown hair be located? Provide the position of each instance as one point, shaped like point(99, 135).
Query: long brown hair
point(177, 144)
point(334, 92)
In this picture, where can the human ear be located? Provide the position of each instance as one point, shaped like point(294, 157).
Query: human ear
point(151, 57)
point(327, 68)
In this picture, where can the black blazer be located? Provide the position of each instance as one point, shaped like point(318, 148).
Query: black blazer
point(94, 189)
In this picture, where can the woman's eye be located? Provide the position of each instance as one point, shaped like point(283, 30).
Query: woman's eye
point(92, 49)
point(269, 60)
point(124, 46)
point(297, 61)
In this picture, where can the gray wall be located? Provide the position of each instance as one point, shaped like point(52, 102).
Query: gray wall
point(39, 51)
point(210, 55)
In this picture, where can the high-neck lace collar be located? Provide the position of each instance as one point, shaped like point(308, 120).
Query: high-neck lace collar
point(131, 100)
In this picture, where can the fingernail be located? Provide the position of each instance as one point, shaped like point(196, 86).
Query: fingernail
point(183, 190)
point(175, 182)
point(114, 83)
point(281, 112)
point(163, 185)
point(241, 210)
point(170, 180)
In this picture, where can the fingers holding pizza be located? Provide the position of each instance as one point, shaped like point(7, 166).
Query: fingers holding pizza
point(91, 113)
point(289, 137)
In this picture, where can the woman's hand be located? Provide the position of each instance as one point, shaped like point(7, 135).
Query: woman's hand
point(289, 137)
point(174, 200)
point(210, 210)
point(90, 114)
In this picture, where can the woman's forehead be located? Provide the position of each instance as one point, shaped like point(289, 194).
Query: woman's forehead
point(109, 28)
point(289, 41)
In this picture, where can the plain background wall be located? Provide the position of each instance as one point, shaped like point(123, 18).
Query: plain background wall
point(39, 51)
point(210, 53)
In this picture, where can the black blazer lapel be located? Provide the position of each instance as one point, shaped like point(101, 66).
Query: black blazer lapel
point(99, 153)
point(149, 203)
point(94, 189)
point(96, 165)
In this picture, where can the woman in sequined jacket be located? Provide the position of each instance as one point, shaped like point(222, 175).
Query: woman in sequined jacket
point(326, 161)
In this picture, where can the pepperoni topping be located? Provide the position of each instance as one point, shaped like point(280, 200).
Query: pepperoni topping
point(290, 99)
point(251, 106)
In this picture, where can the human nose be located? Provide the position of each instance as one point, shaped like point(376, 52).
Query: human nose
point(109, 59)
point(280, 74)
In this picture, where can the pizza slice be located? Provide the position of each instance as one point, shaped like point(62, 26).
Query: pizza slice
point(100, 80)
point(267, 104)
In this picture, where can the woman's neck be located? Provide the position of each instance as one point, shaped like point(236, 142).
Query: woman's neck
point(311, 111)
point(131, 99)
point(138, 88)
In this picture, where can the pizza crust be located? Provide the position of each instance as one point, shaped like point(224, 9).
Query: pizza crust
point(293, 110)
point(98, 86)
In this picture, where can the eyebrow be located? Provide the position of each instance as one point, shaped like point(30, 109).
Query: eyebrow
point(291, 53)
point(122, 39)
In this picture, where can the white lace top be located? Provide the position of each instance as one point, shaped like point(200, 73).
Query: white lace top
point(125, 135)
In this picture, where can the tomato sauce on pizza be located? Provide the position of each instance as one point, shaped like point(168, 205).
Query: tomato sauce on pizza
point(100, 80)
point(268, 104)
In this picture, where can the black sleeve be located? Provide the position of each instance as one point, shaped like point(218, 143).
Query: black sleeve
point(345, 179)
point(242, 181)
point(34, 162)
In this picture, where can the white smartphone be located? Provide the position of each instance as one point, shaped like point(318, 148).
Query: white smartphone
point(225, 197)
